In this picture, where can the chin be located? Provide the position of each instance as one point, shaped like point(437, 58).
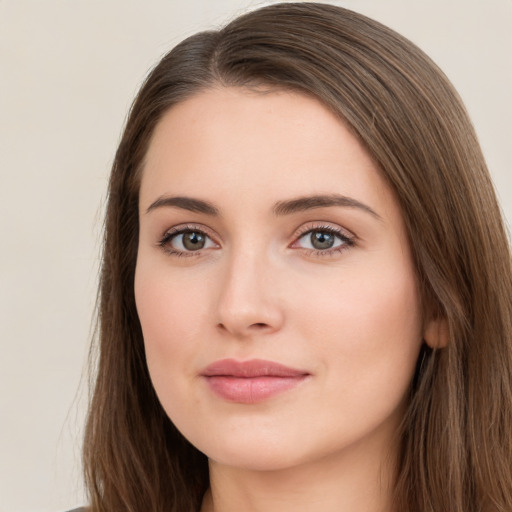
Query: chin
point(256, 459)
point(263, 451)
point(253, 451)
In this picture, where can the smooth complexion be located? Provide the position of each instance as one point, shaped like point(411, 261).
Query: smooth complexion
point(267, 235)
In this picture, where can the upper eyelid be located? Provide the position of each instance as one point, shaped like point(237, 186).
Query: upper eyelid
point(183, 228)
point(326, 225)
point(165, 241)
point(297, 233)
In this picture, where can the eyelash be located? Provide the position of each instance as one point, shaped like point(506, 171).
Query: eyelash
point(347, 241)
point(165, 241)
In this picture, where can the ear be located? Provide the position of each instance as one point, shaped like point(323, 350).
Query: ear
point(436, 333)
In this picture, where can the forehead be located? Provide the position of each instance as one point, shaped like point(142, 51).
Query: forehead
point(236, 141)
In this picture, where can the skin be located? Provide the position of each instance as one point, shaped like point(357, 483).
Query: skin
point(348, 317)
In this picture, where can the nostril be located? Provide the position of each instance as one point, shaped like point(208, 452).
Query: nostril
point(259, 325)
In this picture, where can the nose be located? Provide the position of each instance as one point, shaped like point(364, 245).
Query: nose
point(248, 304)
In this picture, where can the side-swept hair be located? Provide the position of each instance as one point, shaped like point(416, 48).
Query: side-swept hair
point(456, 438)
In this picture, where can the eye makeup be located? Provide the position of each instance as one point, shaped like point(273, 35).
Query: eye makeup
point(321, 239)
point(313, 239)
point(186, 241)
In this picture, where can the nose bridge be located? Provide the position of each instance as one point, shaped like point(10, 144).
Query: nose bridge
point(247, 302)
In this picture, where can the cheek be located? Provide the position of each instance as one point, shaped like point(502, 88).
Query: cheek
point(367, 329)
point(363, 306)
point(170, 313)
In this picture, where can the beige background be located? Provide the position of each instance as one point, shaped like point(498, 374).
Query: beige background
point(68, 72)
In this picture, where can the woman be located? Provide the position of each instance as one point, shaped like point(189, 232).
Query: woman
point(306, 291)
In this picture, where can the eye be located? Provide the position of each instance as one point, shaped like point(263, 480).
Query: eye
point(182, 242)
point(324, 240)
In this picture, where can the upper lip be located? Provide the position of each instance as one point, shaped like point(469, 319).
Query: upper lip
point(250, 369)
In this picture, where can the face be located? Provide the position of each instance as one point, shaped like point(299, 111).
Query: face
point(274, 282)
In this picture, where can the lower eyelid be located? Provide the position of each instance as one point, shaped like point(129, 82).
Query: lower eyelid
point(347, 240)
point(165, 242)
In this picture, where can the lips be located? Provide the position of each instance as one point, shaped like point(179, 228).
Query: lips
point(251, 381)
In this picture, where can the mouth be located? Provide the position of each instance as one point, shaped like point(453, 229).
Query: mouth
point(251, 381)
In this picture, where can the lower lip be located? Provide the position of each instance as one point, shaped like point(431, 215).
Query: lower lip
point(250, 390)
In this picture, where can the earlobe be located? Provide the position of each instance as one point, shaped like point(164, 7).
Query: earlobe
point(436, 334)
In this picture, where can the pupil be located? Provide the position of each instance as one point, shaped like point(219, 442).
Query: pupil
point(193, 241)
point(322, 240)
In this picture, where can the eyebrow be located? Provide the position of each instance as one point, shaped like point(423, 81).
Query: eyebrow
point(281, 208)
point(321, 201)
point(185, 203)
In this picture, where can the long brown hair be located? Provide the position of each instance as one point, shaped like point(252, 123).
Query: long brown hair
point(456, 440)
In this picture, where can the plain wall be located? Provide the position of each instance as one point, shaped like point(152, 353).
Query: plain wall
point(68, 72)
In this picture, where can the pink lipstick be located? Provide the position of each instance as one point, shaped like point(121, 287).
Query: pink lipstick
point(251, 381)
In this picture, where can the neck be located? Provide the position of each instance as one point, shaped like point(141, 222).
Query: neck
point(337, 483)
